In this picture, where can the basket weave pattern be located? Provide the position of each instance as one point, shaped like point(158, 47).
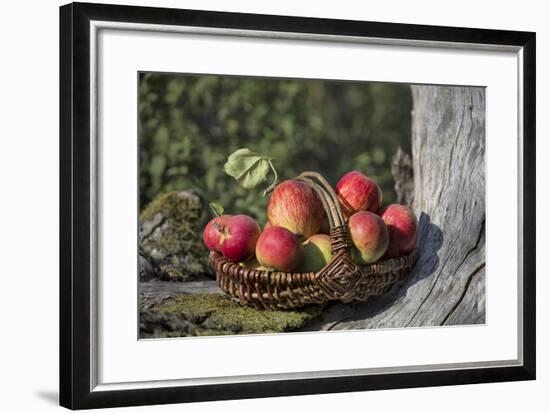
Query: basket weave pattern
point(341, 279)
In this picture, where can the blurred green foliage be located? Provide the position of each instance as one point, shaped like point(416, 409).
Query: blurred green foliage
point(189, 124)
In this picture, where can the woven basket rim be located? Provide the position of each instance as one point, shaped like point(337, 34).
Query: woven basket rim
point(379, 267)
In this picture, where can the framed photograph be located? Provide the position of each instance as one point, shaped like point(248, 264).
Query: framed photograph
point(258, 206)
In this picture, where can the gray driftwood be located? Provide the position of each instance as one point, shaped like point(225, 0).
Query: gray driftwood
point(402, 171)
point(447, 285)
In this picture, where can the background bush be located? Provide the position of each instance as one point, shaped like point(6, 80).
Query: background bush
point(189, 124)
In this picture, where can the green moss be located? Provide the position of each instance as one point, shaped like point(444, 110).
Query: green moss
point(171, 273)
point(216, 314)
point(184, 206)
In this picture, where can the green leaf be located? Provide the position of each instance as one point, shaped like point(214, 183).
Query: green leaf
point(249, 168)
point(217, 209)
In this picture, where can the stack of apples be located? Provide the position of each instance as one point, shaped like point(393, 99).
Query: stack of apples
point(295, 238)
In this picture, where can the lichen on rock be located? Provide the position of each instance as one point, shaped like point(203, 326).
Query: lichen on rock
point(216, 314)
point(170, 238)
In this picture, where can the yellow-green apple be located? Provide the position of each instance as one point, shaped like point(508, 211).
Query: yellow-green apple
point(369, 235)
point(295, 206)
point(279, 249)
point(403, 226)
point(239, 237)
point(213, 232)
point(317, 253)
point(252, 264)
point(357, 192)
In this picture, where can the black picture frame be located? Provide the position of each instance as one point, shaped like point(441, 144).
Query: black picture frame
point(75, 220)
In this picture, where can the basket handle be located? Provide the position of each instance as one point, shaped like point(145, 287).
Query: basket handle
point(339, 234)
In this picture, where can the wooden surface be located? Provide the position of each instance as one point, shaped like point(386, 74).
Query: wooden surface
point(447, 285)
point(156, 291)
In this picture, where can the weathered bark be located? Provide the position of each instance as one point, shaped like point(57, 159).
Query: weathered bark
point(447, 284)
point(402, 171)
point(154, 292)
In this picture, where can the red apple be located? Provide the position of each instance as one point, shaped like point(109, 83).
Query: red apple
point(213, 232)
point(369, 235)
point(357, 192)
point(403, 226)
point(317, 253)
point(295, 206)
point(239, 237)
point(279, 249)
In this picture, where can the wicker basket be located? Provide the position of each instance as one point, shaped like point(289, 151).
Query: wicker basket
point(341, 279)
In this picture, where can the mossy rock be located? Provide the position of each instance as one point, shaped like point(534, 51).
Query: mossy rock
point(216, 314)
point(170, 237)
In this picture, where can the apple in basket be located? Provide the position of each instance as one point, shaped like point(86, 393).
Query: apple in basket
point(213, 232)
point(369, 235)
point(317, 253)
point(253, 264)
point(237, 236)
point(295, 206)
point(357, 192)
point(403, 226)
point(279, 249)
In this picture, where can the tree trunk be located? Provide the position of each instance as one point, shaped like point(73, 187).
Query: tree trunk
point(447, 284)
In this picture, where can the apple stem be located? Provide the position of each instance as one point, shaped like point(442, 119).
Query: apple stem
point(275, 180)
